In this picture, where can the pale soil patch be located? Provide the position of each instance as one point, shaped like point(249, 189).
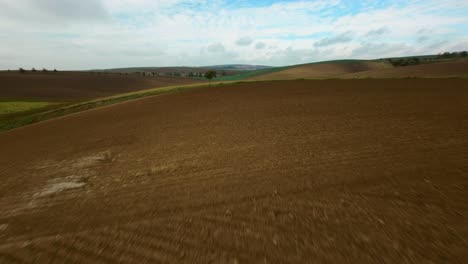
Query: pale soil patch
point(3, 227)
point(65, 179)
point(61, 184)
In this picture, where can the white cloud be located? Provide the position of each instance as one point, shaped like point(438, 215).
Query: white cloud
point(260, 45)
point(341, 38)
point(117, 33)
point(216, 48)
point(377, 32)
point(245, 41)
point(34, 13)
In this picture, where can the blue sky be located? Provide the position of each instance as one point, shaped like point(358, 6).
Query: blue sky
point(88, 34)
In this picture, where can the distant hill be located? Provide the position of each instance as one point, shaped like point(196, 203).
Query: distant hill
point(238, 67)
point(222, 70)
point(328, 69)
point(379, 68)
point(454, 68)
point(160, 71)
point(443, 65)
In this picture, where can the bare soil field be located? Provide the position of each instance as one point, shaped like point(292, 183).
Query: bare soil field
point(335, 171)
point(356, 70)
point(323, 70)
point(77, 86)
point(458, 68)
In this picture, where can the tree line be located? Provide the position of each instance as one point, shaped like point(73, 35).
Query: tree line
point(208, 74)
point(21, 70)
point(399, 62)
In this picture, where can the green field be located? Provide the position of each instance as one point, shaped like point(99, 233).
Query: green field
point(12, 107)
point(18, 113)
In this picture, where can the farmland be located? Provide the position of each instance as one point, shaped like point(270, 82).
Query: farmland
point(446, 69)
point(33, 96)
point(323, 70)
point(139, 131)
point(77, 86)
point(276, 171)
point(366, 69)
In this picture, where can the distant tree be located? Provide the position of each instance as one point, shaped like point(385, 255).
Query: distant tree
point(446, 55)
point(33, 70)
point(414, 61)
point(55, 70)
point(44, 70)
point(464, 54)
point(22, 70)
point(400, 62)
point(210, 75)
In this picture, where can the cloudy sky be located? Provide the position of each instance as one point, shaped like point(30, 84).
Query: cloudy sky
point(89, 34)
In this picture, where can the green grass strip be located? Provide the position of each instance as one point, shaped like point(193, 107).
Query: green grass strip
point(11, 107)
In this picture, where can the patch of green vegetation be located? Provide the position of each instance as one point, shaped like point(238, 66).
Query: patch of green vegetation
point(11, 107)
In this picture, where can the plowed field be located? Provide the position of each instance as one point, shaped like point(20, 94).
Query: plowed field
point(337, 171)
point(77, 86)
point(457, 68)
point(324, 70)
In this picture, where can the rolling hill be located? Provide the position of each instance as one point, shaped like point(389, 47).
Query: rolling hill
point(455, 68)
point(358, 69)
point(222, 70)
point(328, 69)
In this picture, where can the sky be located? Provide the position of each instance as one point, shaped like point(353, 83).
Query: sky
point(97, 34)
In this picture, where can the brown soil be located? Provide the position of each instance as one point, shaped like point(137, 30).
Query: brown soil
point(457, 68)
point(76, 86)
point(322, 70)
point(338, 171)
